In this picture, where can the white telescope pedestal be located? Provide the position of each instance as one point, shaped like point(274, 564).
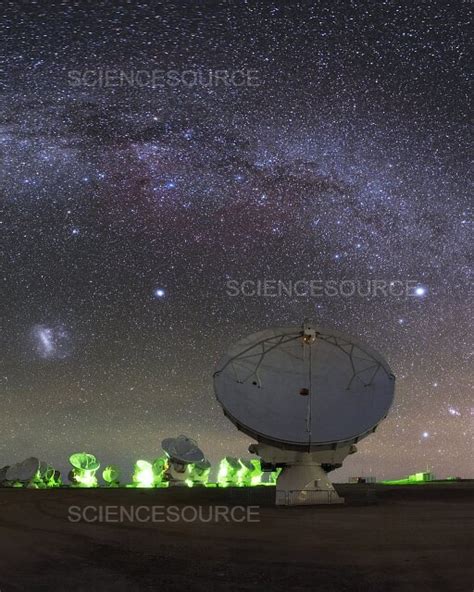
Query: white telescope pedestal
point(302, 480)
point(305, 483)
point(177, 474)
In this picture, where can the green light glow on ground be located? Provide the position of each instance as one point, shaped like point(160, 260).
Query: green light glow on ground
point(235, 472)
point(111, 476)
point(256, 473)
point(143, 474)
point(86, 479)
point(415, 479)
point(150, 474)
point(84, 469)
point(198, 474)
point(232, 472)
point(274, 476)
point(224, 476)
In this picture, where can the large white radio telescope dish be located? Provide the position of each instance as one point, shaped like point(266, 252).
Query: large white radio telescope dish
point(304, 387)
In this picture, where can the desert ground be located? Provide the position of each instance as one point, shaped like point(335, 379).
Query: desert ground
point(384, 539)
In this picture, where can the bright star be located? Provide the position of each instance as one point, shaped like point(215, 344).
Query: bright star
point(159, 293)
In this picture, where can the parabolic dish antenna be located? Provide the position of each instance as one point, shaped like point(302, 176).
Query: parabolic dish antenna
point(84, 461)
point(3, 473)
point(233, 462)
point(307, 394)
point(304, 387)
point(202, 465)
point(182, 450)
point(23, 471)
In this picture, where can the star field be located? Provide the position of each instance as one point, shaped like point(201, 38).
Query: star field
point(127, 209)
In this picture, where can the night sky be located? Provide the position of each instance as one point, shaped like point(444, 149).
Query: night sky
point(127, 208)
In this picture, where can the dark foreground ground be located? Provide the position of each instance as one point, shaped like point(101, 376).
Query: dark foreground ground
point(385, 539)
